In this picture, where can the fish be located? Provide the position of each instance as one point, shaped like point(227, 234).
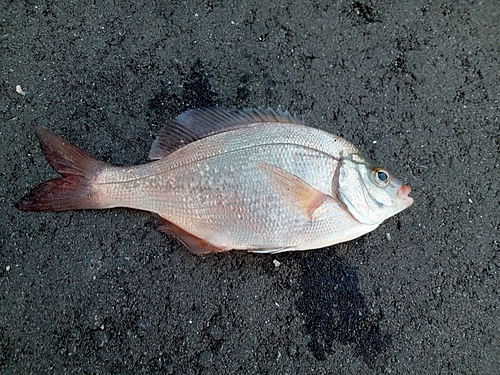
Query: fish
point(219, 179)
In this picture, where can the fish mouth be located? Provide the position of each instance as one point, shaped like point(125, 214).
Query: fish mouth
point(403, 192)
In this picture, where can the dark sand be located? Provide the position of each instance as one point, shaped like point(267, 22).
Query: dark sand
point(414, 84)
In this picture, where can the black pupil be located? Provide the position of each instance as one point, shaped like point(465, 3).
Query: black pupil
point(382, 176)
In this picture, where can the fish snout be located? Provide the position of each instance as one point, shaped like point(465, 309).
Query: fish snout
point(403, 192)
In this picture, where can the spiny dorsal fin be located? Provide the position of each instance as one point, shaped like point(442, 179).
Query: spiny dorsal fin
point(200, 123)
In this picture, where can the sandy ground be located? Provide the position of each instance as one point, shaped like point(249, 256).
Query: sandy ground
point(414, 84)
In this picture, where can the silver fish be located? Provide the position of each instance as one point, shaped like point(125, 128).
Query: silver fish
point(256, 180)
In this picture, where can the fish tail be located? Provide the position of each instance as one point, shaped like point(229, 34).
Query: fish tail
point(76, 189)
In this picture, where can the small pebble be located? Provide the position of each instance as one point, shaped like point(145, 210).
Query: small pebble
point(19, 90)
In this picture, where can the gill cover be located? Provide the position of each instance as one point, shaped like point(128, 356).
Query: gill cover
point(370, 193)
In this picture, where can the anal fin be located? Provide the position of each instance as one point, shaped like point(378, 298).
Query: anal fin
point(194, 244)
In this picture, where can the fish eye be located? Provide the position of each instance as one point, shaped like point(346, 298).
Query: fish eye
point(380, 176)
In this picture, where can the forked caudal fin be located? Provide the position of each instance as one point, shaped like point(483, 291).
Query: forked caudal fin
point(75, 190)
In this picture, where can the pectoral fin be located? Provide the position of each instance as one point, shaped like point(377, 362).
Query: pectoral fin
point(294, 190)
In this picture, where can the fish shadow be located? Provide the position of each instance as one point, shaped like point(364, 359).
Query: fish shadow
point(336, 311)
point(196, 93)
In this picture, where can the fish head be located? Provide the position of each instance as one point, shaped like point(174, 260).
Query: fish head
point(370, 193)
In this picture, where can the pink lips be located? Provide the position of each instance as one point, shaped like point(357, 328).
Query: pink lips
point(403, 193)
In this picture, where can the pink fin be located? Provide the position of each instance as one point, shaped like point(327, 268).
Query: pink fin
point(194, 244)
point(65, 158)
point(60, 194)
point(196, 124)
point(72, 192)
point(294, 190)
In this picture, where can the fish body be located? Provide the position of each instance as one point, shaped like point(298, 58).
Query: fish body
point(257, 180)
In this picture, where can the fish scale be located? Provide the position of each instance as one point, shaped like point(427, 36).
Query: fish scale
point(247, 137)
point(264, 220)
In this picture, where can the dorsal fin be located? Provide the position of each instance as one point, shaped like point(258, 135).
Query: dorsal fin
point(195, 124)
